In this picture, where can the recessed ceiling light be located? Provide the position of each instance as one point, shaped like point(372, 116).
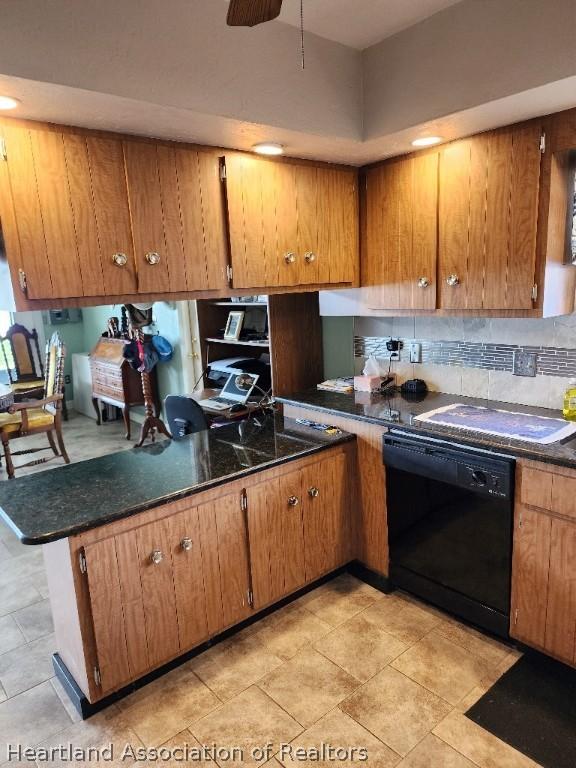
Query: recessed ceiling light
point(7, 102)
point(268, 148)
point(427, 141)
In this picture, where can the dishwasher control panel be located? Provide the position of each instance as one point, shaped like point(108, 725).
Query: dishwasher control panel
point(482, 478)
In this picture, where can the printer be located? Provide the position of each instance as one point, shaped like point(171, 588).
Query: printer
point(220, 370)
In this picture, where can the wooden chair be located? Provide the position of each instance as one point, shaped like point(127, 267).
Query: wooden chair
point(38, 416)
point(23, 363)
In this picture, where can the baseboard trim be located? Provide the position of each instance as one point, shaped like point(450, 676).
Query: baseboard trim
point(375, 579)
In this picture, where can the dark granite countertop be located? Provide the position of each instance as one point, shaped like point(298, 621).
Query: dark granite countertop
point(66, 500)
point(397, 411)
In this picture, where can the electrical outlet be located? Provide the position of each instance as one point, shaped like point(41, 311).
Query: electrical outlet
point(393, 345)
point(67, 379)
point(524, 363)
point(415, 352)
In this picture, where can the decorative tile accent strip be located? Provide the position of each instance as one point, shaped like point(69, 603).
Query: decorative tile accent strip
point(550, 361)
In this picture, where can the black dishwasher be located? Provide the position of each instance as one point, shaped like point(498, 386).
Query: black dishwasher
point(450, 511)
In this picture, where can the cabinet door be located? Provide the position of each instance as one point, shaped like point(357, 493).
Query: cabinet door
point(261, 198)
point(326, 522)
point(530, 574)
point(110, 199)
point(401, 233)
point(224, 541)
point(276, 537)
point(338, 235)
point(561, 614)
point(309, 225)
point(40, 193)
point(158, 595)
point(107, 614)
point(177, 213)
point(488, 210)
point(188, 578)
point(291, 224)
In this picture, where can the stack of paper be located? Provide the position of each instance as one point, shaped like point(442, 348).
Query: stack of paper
point(337, 385)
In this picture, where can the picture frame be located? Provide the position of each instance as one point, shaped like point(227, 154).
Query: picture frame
point(234, 326)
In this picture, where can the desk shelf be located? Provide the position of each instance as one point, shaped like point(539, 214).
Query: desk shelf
point(260, 344)
point(293, 347)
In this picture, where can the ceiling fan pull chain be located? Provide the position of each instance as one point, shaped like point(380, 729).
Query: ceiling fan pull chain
point(302, 31)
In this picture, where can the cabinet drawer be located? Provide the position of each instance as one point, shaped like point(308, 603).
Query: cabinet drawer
point(549, 491)
point(536, 488)
point(103, 390)
point(107, 380)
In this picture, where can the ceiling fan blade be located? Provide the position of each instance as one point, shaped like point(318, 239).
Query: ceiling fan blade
point(248, 13)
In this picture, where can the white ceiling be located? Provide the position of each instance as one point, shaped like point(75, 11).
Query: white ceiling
point(360, 23)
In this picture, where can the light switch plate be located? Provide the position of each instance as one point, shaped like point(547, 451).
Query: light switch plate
point(524, 363)
point(415, 352)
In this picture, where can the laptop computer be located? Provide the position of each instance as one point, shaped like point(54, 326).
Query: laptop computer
point(236, 391)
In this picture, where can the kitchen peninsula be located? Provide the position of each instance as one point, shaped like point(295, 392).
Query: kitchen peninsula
point(152, 552)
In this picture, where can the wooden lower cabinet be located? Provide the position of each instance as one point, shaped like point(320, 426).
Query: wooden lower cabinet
point(326, 518)
point(367, 481)
point(544, 562)
point(299, 528)
point(132, 595)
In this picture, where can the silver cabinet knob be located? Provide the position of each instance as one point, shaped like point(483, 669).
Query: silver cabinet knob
point(452, 280)
point(186, 544)
point(156, 557)
point(313, 492)
point(293, 501)
point(289, 257)
point(152, 257)
point(309, 257)
point(423, 282)
point(119, 259)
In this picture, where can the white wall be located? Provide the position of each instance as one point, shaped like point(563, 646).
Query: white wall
point(181, 53)
point(471, 53)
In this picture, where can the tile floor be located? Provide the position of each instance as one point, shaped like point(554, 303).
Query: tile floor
point(344, 665)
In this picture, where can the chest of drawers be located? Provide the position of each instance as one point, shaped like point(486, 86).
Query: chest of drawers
point(115, 382)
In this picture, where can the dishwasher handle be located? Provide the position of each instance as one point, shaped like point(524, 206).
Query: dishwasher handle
point(485, 475)
point(422, 461)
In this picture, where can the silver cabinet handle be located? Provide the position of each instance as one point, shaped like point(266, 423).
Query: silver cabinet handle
point(156, 557)
point(313, 492)
point(452, 280)
point(293, 501)
point(289, 257)
point(309, 257)
point(152, 258)
point(119, 259)
point(186, 544)
point(423, 282)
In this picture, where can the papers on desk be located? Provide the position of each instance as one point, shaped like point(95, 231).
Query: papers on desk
point(337, 385)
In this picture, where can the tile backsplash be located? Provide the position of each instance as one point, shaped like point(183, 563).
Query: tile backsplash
point(474, 356)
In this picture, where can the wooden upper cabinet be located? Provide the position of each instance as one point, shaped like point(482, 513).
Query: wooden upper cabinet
point(106, 200)
point(291, 224)
point(399, 259)
point(488, 214)
point(65, 212)
point(86, 214)
point(177, 217)
point(37, 176)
